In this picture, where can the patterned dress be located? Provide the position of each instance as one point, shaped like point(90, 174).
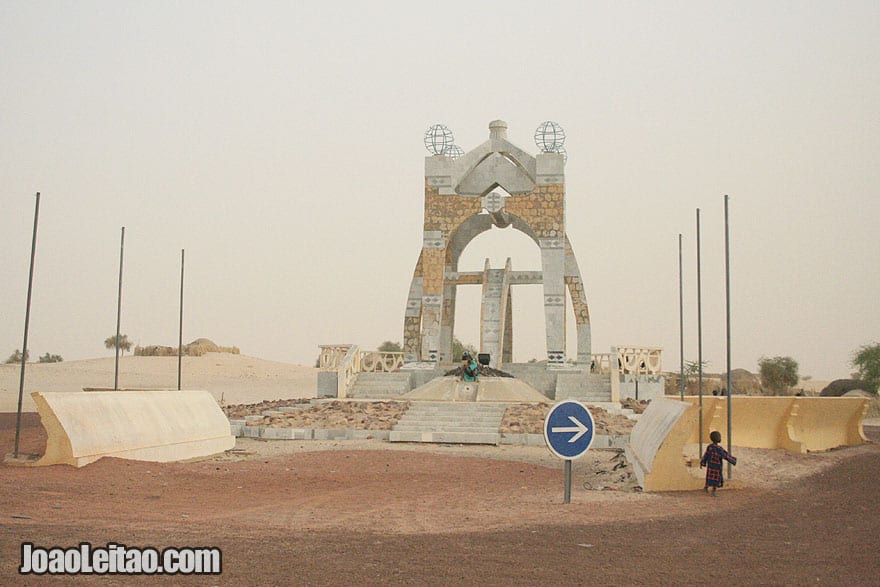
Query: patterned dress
point(713, 461)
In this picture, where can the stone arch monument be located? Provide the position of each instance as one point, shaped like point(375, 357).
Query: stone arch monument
point(460, 203)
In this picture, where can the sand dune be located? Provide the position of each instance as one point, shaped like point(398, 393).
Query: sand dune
point(237, 378)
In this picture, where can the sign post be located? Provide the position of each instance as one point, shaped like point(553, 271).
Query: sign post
point(568, 431)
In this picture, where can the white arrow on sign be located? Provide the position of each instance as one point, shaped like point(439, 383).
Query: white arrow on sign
point(578, 427)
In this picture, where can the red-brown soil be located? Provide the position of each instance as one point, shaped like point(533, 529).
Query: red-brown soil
point(416, 517)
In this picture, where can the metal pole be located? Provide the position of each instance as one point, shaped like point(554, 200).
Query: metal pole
point(680, 322)
point(567, 498)
point(27, 319)
point(727, 287)
point(180, 332)
point(699, 337)
point(119, 310)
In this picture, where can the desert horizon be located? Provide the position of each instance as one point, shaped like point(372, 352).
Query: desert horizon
point(233, 378)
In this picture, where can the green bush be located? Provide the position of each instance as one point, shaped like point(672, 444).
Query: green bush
point(778, 373)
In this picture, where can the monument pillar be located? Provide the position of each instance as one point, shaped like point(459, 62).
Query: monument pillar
point(458, 189)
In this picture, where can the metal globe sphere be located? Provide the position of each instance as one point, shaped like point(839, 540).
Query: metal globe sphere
point(438, 138)
point(549, 137)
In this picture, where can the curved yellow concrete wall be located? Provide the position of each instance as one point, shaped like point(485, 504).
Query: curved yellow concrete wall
point(656, 446)
point(797, 424)
point(156, 426)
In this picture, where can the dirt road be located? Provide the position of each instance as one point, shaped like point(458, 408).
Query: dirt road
point(419, 517)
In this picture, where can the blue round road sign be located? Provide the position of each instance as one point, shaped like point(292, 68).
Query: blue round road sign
point(568, 429)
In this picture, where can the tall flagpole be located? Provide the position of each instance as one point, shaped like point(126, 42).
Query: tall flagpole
point(699, 335)
point(727, 287)
point(119, 310)
point(27, 319)
point(180, 331)
point(680, 323)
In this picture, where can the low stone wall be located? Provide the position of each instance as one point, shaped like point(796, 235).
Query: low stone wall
point(649, 386)
point(240, 429)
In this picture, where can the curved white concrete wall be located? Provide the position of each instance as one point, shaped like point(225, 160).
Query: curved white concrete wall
point(156, 426)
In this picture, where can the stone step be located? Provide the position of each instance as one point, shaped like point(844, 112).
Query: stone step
point(383, 377)
point(356, 394)
point(481, 418)
point(466, 407)
point(380, 380)
point(489, 424)
point(417, 409)
point(450, 422)
point(486, 418)
point(446, 437)
point(583, 386)
point(427, 427)
point(380, 385)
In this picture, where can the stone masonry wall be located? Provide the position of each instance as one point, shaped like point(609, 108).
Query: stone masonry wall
point(578, 303)
point(543, 209)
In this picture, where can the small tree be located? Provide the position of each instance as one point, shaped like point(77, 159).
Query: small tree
point(692, 369)
point(390, 347)
point(16, 357)
point(124, 344)
point(867, 360)
point(778, 373)
point(458, 349)
point(48, 358)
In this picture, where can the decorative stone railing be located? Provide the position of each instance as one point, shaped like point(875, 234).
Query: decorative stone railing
point(600, 363)
point(331, 355)
point(347, 360)
point(380, 361)
point(639, 360)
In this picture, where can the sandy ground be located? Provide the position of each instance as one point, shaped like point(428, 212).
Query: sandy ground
point(374, 513)
point(368, 512)
point(238, 379)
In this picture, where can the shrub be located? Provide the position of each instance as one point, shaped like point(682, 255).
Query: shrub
point(778, 373)
point(16, 357)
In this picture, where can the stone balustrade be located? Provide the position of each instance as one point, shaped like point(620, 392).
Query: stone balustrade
point(331, 356)
point(600, 363)
point(639, 360)
point(347, 360)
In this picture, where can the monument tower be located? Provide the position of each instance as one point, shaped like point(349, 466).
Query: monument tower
point(460, 204)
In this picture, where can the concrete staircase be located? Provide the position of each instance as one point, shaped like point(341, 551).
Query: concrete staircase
point(450, 422)
point(588, 387)
point(380, 385)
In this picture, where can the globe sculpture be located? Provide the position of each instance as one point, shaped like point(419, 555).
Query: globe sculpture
point(549, 137)
point(453, 151)
point(564, 153)
point(438, 138)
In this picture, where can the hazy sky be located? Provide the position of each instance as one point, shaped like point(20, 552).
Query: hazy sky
point(280, 144)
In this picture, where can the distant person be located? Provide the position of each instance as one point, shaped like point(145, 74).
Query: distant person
point(469, 368)
point(713, 460)
point(715, 391)
point(723, 391)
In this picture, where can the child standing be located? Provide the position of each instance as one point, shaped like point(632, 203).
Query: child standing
point(713, 461)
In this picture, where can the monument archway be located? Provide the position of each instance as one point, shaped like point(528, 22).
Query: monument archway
point(458, 188)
